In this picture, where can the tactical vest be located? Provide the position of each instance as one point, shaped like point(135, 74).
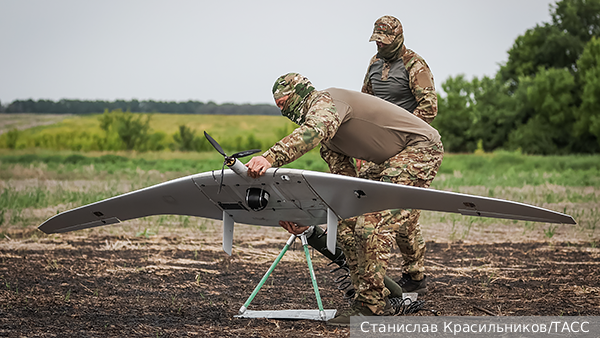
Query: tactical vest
point(396, 87)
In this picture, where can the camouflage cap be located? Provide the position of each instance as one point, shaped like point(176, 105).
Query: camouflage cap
point(298, 88)
point(386, 29)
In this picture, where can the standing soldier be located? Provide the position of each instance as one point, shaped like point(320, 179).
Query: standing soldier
point(402, 77)
point(399, 75)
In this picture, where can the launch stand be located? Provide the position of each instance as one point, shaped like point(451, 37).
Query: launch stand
point(288, 314)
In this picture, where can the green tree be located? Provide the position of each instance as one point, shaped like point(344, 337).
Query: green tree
point(545, 46)
point(587, 126)
point(545, 120)
point(155, 142)
point(495, 112)
point(132, 130)
point(578, 17)
point(252, 142)
point(554, 45)
point(456, 115)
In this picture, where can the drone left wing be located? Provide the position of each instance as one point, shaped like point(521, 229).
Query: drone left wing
point(177, 197)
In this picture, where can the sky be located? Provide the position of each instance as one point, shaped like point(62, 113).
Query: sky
point(233, 51)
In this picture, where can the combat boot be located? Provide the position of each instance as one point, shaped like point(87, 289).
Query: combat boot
point(359, 309)
point(409, 285)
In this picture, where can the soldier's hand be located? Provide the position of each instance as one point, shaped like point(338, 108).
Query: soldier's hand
point(257, 166)
point(292, 227)
point(359, 163)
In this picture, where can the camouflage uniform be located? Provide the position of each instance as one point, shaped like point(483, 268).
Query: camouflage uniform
point(374, 233)
point(420, 79)
point(367, 239)
point(419, 98)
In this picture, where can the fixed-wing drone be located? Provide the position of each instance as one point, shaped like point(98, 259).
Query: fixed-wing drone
point(305, 197)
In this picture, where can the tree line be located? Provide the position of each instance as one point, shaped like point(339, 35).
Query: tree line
point(149, 106)
point(544, 100)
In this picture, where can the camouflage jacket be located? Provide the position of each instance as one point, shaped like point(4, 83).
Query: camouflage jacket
point(420, 83)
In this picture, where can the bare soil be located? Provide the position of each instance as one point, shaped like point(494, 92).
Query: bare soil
point(97, 285)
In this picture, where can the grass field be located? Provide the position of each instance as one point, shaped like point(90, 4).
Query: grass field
point(26, 121)
point(37, 183)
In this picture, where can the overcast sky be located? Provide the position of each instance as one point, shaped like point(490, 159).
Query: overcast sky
point(232, 51)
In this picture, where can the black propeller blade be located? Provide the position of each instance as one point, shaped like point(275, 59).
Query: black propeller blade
point(215, 144)
point(229, 160)
point(245, 153)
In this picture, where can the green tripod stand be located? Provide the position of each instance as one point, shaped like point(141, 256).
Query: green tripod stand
point(288, 314)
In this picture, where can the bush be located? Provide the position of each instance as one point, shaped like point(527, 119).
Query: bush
point(11, 138)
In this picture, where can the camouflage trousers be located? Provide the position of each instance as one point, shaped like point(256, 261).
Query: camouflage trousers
point(367, 240)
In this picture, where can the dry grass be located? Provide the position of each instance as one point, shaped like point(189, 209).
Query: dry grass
point(25, 121)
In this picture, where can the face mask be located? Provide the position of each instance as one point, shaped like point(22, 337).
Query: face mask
point(391, 51)
point(298, 88)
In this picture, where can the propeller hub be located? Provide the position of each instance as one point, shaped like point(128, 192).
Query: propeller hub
point(229, 161)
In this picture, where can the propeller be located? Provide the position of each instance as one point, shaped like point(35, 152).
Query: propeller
point(229, 160)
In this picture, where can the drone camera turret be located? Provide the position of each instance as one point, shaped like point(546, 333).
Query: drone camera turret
point(257, 198)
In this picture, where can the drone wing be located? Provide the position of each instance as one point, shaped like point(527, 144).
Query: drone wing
point(349, 196)
point(177, 197)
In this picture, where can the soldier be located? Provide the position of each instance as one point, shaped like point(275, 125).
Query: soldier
point(402, 77)
point(398, 74)
point(348, 124)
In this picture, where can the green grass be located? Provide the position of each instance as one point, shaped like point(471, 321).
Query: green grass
point(13, 199)
point(510, 169)
point(499, 169)
point(219, 126)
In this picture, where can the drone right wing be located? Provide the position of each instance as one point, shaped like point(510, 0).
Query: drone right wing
point(349, 196)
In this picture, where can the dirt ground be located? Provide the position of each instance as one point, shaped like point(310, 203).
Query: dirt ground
point(173, 285)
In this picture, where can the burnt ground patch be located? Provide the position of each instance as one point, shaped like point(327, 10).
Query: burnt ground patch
point(91, 287)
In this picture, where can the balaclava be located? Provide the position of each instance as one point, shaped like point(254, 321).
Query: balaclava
point(298, 88)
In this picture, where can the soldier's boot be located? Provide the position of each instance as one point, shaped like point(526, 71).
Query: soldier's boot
point(409, 285)
point(359, 309)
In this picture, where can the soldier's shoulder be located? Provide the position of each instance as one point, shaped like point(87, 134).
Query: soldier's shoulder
point(411, 59)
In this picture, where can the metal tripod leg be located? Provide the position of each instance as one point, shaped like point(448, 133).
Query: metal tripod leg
point(322, 313)
point(264, 279)
point(312, 276)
